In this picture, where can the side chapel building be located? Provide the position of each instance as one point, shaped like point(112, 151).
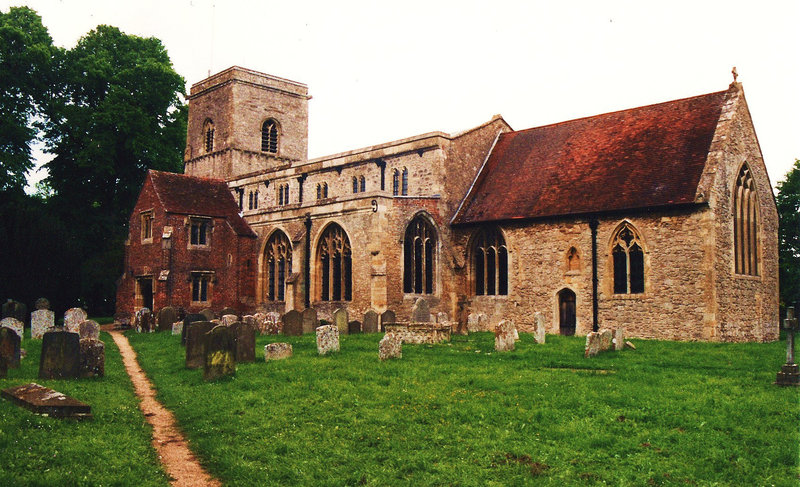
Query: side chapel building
point(660, 219)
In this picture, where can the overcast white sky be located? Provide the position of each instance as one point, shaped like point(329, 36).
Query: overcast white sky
point(380, 71)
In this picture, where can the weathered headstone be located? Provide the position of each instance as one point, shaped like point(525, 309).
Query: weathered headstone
point(354, 327)
point(592, 344)
point(14, 325)
point(73, 317)
point(177, 328)
point(251, 319)
point(327, 339)
point(244, 334)
point(209, 315)
point(370, 322)
point(619, 338)
point(43, 400)
point(390, 346)
point(20, 312)
point(420, 313)
point(341, 320)
point(89, 329)
point(272, 324)
point(293, 323)
point(228, 320)
point(166, 317)
point(92, 358)
point(310, 322)
point(42, 303)
point(42, 321)
point(219, 353)
point(60, 357)
point(190, 318)
point(9, 347)
point(504, 336)
point(141, 320)
point(477, 322)
point(442, 317)
point(195, 339)
point(387, 318)
point(605, 339)
point(538, 327)
point(629, 345)
point(227, 311)
point(277, 351)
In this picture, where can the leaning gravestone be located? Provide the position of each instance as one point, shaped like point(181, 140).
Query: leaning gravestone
point(277, 351)
point(390, 346)
point(229, 319)
point(370, 322)
point(190, 318)
point(42, 303)
point(13, 324)
point(9, 347)
point(327, 339)
point(89, 329)
point(60, 357)
point(387, 318)
point(420, 313)
point(166, 317)
point(42, 321)
point(209, 315)
point(293, 323)
point(244, 334)
point(504, 336)
point(592, 344)
point(538, 324)
point(92, 358)
point(73, 317)
point(340, 319)
point(353, 328)
point(219, 353)
point(195, 338)
point(310, 322)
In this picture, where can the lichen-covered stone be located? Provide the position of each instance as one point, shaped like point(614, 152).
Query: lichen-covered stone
point(538, 327)
point(504, 336)
point(228, 320)
point(73, 317)
point(42, 321)
point(341, 320)
point(277, 351)
point(220, 353)
point(390, 346)
point(327, 339)
point(89, 329)
point(619, 338)
point(606, 337)
point(420, 313)
point(592, 347)
point(177, 328)
point(14, 325)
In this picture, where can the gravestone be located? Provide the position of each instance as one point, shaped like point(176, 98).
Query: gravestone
point(250, 319)
point(370, 322)
point(9, 347)
point(420, 313)
point(73, 317)
point(504, 336)
point(538, 326)
point(195, 339)
point(8, 309)
point(43, 400)
point(605, 339)
point(141, 320)
point(272, 324)
point(190, 318)
point(13, 324)
point(42, 321)
point(42, 303)
point(592, 344)
point(341, 320)
point(229, 319)
point(293, 323)
point(20, 312)
point(390, 346)
point(60, 357)
point(387, 318)
point(166, 317)
point(354, 327)
point(177, 328)
point(89, 329)
point(327, 339)
point(244, 334)
point(209, 315)
point(277, 351)
point(227, 311)
point(92, 358)
point(619, 338)
point(442, 317)
point(219, 353)
point(310, 322)
point(477, 322)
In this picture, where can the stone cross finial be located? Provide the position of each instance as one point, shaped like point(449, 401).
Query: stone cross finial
point(734, 73)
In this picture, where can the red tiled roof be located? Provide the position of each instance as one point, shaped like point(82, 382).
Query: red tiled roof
point(645, 157)
point(189, 195)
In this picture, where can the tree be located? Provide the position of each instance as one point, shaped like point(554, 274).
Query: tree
point(788, 201)
point(26, 55)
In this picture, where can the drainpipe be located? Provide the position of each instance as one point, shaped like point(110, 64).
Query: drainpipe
point(307, 270)
point(593, 223)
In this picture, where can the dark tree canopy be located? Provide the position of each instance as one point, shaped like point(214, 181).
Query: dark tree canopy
point(788, 201)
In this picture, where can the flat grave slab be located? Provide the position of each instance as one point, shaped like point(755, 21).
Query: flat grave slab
point(43, 400)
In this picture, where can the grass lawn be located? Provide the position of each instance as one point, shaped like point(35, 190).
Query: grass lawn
point(460, 414)
point(113, 448)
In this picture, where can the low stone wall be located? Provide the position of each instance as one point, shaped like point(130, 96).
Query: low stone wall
point(418, 333)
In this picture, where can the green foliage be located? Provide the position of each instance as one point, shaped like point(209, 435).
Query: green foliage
point(461, 414)
point(113, 448)
point(26, 54)
point(788, 201)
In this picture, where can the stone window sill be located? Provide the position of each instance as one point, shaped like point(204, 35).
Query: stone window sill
point(634, 297)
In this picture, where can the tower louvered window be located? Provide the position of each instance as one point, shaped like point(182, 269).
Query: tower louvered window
point(269, 137)
point(208, 135)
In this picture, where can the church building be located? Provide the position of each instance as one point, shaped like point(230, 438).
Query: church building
point(659, 219)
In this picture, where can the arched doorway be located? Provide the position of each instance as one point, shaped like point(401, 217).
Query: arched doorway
point(566, 312)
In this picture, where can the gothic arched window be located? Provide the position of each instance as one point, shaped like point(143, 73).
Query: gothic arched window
point(269, 136)
point(627, 254)
point(395, 182)
point(490, 263)
point(334, 265)
point(745, 223)
point(208, 135)
point(419, 257)
point(363, 182)
point(404, 190)
point(355, 184)
point(278, 262)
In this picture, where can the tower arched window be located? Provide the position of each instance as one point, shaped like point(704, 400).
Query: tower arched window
point(490, 263)
point(419, 257)
point(355, 184)
point(319, 191)
point(269, 136)
point(334, 265)
point(395, 182)
point(404, 190)
point(745, 223)
point(250, 200)
point(278, 262)
point(324, 190)
point(363, 183)
point(208, 135)
point(627, 254)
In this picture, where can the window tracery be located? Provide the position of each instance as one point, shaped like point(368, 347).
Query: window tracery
point(490, 263)
point(628, 261)
point(745, 223)
point(334, 264)
point(419, 257)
